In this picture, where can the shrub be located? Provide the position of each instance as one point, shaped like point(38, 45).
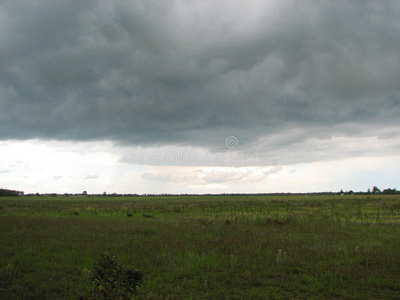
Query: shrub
point(111, 280)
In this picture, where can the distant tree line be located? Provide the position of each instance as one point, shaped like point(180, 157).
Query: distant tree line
point(4, 192)
point(390, 192)
point(374, 191)
point(377, 191)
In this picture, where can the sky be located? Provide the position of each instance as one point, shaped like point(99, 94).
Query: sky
point(199, 96)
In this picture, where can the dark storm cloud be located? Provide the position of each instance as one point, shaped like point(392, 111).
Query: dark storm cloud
point(195, 72)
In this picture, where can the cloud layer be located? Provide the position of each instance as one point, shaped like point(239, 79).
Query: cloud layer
point(155, 73)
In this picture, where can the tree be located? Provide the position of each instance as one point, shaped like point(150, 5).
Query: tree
point(84, 193)
point(389, 191)
point(4, 192)
point(375, 190)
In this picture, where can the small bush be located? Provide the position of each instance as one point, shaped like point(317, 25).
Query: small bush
point(111, 280)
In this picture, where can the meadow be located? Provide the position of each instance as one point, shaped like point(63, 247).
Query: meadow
point(205, 247)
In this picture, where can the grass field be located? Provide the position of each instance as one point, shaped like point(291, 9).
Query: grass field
point(205, 247)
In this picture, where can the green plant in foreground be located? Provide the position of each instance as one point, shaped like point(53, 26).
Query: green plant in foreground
point(111, 280)
point(281, 257)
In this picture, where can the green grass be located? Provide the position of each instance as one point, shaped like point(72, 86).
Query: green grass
point(211, 247)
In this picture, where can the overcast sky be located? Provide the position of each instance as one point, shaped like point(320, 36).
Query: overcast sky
point(199, 96)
